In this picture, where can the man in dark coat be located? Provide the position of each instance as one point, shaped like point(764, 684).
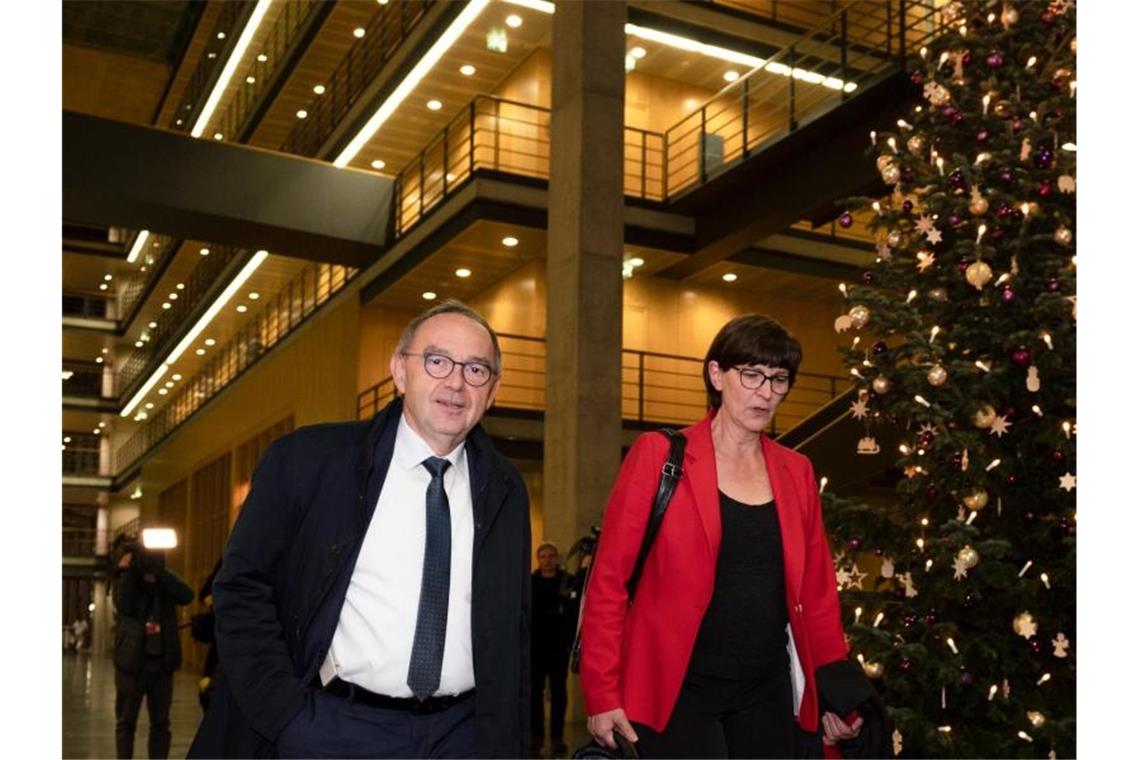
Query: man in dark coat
point(147, 650)
point(339, 630)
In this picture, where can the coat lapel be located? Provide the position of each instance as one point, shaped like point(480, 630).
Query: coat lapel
point(790, 511)
point(700, 468)
point(486, 501)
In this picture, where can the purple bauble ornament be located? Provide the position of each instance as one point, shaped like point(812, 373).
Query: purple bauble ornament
point(954, 220)
point(956, 180)
point(879, 347)
point(997, 233)
point(1035, 644)
point(957, 118)
point(971, 599)
point(1007, 295)
point(1047, 18)
point(983, 135)
point(963, 265)
point(854, 544)
point(907, 207)
point(878, 551)
point(967, 678)
point(967, 58)
point(845, 220)
point(1044, 158)
point(1046, 188)
point(931, 617)
point(994, 60)
point(1053, 286)
point(1028, 517)
point(907, 175)
point(1006, 175)
point(909, 619)
point(1011, 479)
point(1057, 456)
point(956, 461)
point(1020, 357)
point(1010, 412)
point(1016, 125)
point(1004, 210)
point(868, 278)
point(949, 111)
point(905, 665)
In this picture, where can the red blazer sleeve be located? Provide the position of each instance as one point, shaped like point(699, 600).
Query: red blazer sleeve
point(606, 605)
point(820, 598)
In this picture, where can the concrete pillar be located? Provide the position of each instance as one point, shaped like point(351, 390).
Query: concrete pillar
point(582, 431)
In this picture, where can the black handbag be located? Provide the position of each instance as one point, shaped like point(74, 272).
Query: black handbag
point(671, 472)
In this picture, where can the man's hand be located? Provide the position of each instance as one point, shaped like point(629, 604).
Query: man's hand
point(125, 560)
point(835, 730)
point(603, 725)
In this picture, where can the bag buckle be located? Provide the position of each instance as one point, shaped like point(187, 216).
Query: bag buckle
point(671, 470)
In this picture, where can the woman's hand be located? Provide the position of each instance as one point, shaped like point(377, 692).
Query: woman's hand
point(835, 730)
point(603, 725)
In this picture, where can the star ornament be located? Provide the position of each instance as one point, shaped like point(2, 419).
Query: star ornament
point(924, 223)
point(925, 260)
point(960, 569)
point(1000, 426)
point(859, 409)
point(856, 578)
point(934, 236)
point(1068, 481)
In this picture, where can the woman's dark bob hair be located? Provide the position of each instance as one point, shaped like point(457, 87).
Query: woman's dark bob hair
point(751, 339)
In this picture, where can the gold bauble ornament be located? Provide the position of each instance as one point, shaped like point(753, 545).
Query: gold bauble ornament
point(894, 237)
point(937, 375)
point(984, 417)
point(1002, 109)
point(1062, 75)
point(916, 144)
point(1063, 235)
point(1036, 718)
point(859, 316)
point(979, 205)
point(939, 295)
point(978, 274)
point(938, 96)
point(883, 161)
point(1024, 624)
point(891, 175)
point(1073, 46)
point(873, 669)
point(1009, 16)
point(881, 385)
point(976, 500)
point(969, 556)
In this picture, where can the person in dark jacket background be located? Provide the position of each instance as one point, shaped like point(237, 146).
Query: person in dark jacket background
point(551, 634)
point(147, 650)
point(333, 571)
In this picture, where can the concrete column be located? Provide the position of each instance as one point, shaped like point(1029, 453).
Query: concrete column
point(582, 432)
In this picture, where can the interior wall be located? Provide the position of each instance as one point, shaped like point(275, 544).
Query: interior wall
point(380, 329)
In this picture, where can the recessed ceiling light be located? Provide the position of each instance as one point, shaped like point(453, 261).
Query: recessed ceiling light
point(638, 52)
point(262, 58)
point(428, 295)
point(67, 439)
point(302, 114)
point(209, 55)
point(173, 296)
point(728, 277)
point(178, 122)
point(731, 76)
point(637, 261)
point(434, 105)
point(180, 286)
point(107, 277)
point(138, 344)
point(166, 305)
point(102, 286)
point(514, 21)
point(98, 359)
point(467, 69)
point(250, 80)
point(218, 135)
point(210, 341)
point(176, 376)
point(152, 325)
point(221, 35)
point(204, 251)
point(150, 405)
point(254, 295)
point(96, 431)
point(106, 350)
point(462, 272)
point(510, 242)
point(169, 383)
point(142, 269)
point(378, 164)
point(162, 391)
point(319, 89)
point(200, 351)
point(358, 32)
point(241, 308)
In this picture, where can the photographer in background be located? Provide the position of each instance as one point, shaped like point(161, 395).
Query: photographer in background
point(147, 650)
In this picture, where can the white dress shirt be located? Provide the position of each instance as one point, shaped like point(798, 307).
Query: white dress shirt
point(372, 646)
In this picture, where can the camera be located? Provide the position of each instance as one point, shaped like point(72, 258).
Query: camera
point(143, 560)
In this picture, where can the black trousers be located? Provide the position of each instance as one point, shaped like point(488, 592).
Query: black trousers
point(331, 726)
point(548, 664)
point(155, 683)
point(722, 718)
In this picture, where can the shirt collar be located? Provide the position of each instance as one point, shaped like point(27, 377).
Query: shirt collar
point(411, 450)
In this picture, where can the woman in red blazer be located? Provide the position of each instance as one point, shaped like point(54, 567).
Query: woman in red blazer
point(702, 663)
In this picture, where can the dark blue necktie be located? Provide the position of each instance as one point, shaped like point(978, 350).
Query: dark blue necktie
point(431, 621)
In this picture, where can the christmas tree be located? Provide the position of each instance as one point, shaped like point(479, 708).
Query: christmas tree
point(966, 345)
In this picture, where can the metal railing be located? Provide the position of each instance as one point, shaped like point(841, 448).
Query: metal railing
point(496, 134)
point(85, 379)
point(206, 72)
point(359, 67)
point(656, 388)
point(159, 247)
point(80, 453)
point(197, 285)
point(300, 299)
point(85, 305)
point(851, 48)
point(264, 67)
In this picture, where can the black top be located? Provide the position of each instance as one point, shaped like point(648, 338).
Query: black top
point(550, 608)
point(743, 633)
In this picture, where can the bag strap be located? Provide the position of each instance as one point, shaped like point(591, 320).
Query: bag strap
point(671, 472)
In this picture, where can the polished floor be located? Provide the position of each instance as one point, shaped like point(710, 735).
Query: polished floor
point(89, 711)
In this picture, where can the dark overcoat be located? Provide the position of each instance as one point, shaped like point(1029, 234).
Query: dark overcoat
point(286, 570)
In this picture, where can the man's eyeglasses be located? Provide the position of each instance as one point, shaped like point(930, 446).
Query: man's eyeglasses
point(753, 380)
point(440, 366)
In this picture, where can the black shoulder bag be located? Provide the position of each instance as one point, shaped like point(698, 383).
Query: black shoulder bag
point(670, 475)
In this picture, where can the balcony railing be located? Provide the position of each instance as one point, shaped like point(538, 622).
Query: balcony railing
point(849, 49)
point(80, 453)
point(280, 316)
point(383, 34)
point(85, 305)
point(222, 37)
point(84, 379)
point(656, 388)
point(158, 249)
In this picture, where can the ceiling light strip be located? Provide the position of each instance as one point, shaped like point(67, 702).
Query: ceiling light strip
point(218, 304)
point(227, 74)
point(684, 43)
point(136, 249)
point(389, 106)
point(542, 6)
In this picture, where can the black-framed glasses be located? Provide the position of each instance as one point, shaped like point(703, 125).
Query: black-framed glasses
point(753, 380)
point(439, 366)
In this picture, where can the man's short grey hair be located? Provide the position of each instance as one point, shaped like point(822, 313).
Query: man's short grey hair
point(451, 306)
point(547, 545)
